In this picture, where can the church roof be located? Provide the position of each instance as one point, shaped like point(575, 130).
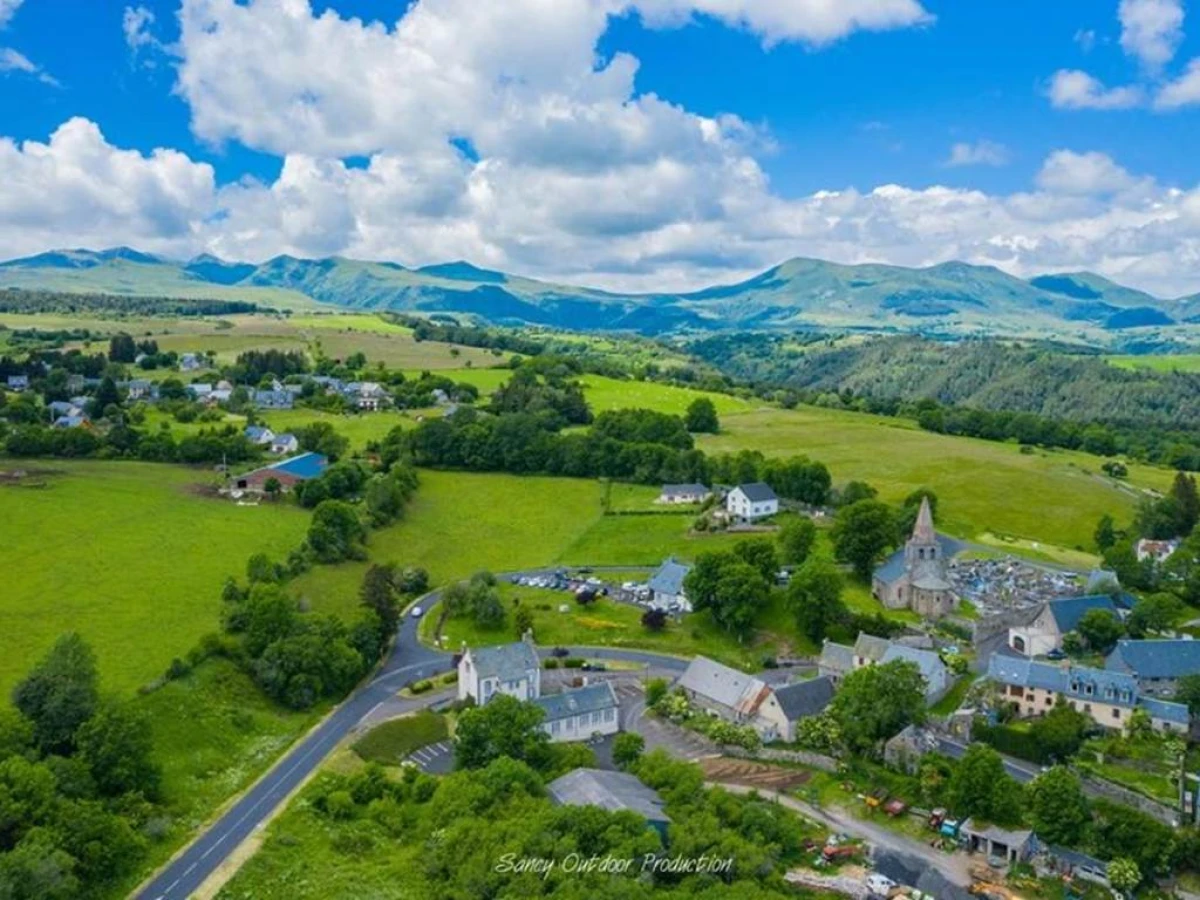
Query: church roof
point(923, 530)
point(928, 577)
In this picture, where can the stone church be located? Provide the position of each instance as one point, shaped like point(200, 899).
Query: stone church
point(915, 576)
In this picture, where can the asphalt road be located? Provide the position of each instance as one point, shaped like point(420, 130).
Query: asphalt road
point(409, 661)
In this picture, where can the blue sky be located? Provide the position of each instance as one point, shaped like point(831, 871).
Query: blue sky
point(804, 106)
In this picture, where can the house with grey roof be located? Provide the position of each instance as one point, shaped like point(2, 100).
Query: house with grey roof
point(612, 791)
point(259, 434)
point(683, 493)
point(285, 443)
point(273, 399)
point(1156, 664)
point(723, 691)
point(1108, 697)
point(18, 382)
point(796, 702)
point(749, 502)
point(836, 660)
point(915, 577)
point(666, 586)
point(930, 665)
point(579, 714)
point(1016, 845)
point(513, 669)
point(1056, 618)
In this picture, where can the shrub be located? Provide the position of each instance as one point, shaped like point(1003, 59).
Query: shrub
point(573, 662)
point(420, 687)
point(450, 678)
point(550, 664)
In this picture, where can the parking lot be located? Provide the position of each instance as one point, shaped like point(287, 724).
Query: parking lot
point(436, 759)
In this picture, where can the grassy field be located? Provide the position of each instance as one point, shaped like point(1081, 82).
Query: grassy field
point(1183, 362)
point(390, 742)
point(461, 522)
point(610, 393)
point(358, 429)
point(128, 555)
point(1054, 497)
point(606, 623)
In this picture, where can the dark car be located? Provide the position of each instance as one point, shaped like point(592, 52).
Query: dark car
point(1056, 653)
point(560, 652)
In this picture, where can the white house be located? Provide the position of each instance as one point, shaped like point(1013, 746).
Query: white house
point(512, 669)
point(752, 501)
point(284, 443)
point(259, 434)
point(683, 493)
point(666, 586)
point(1054, 620)
point(1159, 551)
point(580, 714)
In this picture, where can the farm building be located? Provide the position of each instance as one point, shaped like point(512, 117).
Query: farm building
point(666, 586)
point(578, 714)
point(748, 502)
point(1014, 846)
point(683, 493)
point(288, 472)
point(613, 791)
point(801, 700)
point(512, 669)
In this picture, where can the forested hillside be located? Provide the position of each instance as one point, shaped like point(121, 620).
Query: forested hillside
point(981, 374)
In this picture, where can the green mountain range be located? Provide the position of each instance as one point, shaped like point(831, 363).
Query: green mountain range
point(952, 298)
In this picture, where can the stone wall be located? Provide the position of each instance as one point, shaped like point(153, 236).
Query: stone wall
point(1098, 787)
point(803, 757)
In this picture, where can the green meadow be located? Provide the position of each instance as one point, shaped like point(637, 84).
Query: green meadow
point(1052, 497)
point(1182, 362)
point(128, 554)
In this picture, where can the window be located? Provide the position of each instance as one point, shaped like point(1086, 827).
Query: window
point(1049, 700)
point(1087, 689)
point(1116, 714)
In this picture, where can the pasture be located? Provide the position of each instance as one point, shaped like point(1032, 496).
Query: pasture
point(1180, 362)
point(129, 555)
point(1052, 497)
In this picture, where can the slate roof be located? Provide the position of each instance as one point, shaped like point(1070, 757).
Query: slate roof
point(1012, 839)
point(868, 646)
point(1155, 659)
point(684, 490)
point(70, 421)
point(589, 699)
point(304, 466)
point(728, 687)
point(926, 660)
point(256, 432)
point(1067, 611)
point(508, 662)
point(1077, 860)
point(836, 656)
point(1111, 687)
point(892, 568)
point(927, 577)
point(757, 492)
point(285, 438)
point(805, 698)
point(669, 577)
point(613, 791)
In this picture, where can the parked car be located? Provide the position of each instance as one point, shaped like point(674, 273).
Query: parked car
point(1056, 654)
point(416, 612)
point(594, 667)
point(560, 652)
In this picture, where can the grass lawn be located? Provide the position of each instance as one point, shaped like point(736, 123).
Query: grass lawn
point(128, 555)
point(954, 696)
point(359, 429)
point(214, 734)
point(1053, 497)
point(610, 393)
point(368, 322)
point(462, 522)
point(1182, 362)
point(487, 380)
point(605, 623)
point(390, 742)
point(642, 541)
point(401, 351)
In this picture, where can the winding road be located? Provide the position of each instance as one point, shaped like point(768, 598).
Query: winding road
point(409, 661)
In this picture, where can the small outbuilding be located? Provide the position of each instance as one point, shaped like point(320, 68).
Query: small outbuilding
point(613, 791)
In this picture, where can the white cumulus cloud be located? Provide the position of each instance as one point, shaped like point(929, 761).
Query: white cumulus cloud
point(1151, 30)
point(8, 9)
point(1075, 89)
point(1183, 91)
point(980, 153)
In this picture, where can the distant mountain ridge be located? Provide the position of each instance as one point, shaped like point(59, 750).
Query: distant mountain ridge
point(951, 297)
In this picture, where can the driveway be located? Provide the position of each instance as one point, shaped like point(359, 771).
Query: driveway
point(679, 742)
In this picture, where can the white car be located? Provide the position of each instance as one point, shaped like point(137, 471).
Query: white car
point(879, 885)
point(416, 612)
